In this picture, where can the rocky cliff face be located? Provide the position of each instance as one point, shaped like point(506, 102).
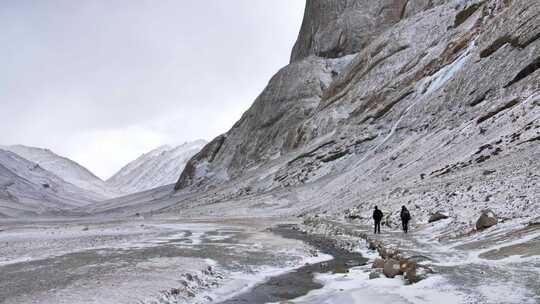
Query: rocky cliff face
point(265, 131)
point(392, 102)
point(333, 29)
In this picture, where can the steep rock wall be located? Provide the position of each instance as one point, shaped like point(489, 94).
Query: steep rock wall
point(263, 132)
point(441, 109)
point(336, 28)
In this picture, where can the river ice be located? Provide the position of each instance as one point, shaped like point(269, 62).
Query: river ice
point(355, 287)
point(173, 261)
point(141, 262)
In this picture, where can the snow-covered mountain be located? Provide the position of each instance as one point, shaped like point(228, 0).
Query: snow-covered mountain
point(65, 168)
point(156, 168)
point(388, 103)
point(27, 188)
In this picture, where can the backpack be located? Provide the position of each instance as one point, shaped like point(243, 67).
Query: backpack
point(405, 215)
point(377, 215)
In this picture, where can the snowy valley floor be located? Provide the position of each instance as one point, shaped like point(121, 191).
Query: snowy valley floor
point(141, 261)
point(178, 261)
point(499, 265)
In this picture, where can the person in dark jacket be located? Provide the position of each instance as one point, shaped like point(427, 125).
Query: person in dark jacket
point(405, 218)
point(377, 217)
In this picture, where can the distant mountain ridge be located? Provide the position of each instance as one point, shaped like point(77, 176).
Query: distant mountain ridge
point(156, 168)
point(67, 169)
point(26, 188)
point(35, 180)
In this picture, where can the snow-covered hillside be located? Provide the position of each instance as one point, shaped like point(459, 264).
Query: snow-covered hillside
point(26, 188)
point(64, 168)
point(156, 168)
point(433, 104)
point(37, 181)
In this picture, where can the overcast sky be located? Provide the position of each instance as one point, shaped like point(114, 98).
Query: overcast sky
point(102, 82)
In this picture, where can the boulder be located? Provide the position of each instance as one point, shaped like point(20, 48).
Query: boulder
point(352, 214)
point(388, 253)
point(417, 273)
point(392, 268)
point(340, 269)
point(378, 263)
point(437, 216)
point(487, 219)
point(382, 252)
point(405, 265)
point(412, 276)
point(373, 244)
point(531, 224)
point(409, 268)
point(393, 253)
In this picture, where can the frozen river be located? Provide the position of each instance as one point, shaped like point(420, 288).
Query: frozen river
point(242, 261)
point(141, 261)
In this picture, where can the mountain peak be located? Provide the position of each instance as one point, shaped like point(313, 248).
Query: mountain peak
point(67, 169)
point(158, 167)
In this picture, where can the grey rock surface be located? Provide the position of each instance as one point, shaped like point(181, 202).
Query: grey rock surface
point(378, 263)
point(268, 128)
point(336, 28)
point(438, 110)
point(437, 216)
point(392, 268)
point(486, 220)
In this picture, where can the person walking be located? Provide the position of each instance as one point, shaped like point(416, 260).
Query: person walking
point(405, 218)
point(377, 217)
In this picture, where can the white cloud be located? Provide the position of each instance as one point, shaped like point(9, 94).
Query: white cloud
point(106, 151)
point(102, 82)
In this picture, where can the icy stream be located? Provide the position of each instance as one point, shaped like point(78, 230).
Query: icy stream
point(169, 261)
point(136, 262)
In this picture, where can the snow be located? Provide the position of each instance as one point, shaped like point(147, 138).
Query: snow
point(355, 287)
point(512, 294)
point(471, 267)
point(39, 243)
point(241, 282)
point(340, 64)
point(427, 86)
point(136, 279)
point(198, 234)
point(35, 180)
point(64, 168)
point(473, 256)
point(238, 282)
point(436, 81)
point(26, 186)
point(430, 85)
point(156, 168)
